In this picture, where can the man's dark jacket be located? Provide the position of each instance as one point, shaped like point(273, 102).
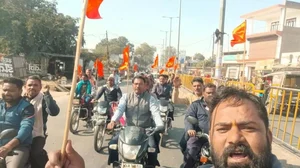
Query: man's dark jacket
point(197, 109)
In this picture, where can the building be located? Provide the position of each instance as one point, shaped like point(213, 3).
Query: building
point(273, 35)
point(232, 64)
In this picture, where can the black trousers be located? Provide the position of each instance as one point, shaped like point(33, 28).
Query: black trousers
point(38, 156)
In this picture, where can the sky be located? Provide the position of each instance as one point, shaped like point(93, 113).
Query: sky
point(141, 21)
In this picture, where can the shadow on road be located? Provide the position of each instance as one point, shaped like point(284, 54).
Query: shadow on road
point(85, 132)
point(171, 141)
point(285, 165)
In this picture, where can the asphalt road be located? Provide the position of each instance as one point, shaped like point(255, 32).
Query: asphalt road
point(169, 157)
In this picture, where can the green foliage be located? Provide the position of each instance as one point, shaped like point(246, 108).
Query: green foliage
point(115, 46)
point(144, 55)
point(199, 56)
point(33, 26)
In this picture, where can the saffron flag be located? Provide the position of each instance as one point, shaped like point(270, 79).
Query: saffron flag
point(161, 71)
point(155, 63)
point(176, 67)
point(92, 11)
point(239, 34)
point(135, 67)
point(79, 70)
point(125, 63)
point(98, 64)
point(171, 62)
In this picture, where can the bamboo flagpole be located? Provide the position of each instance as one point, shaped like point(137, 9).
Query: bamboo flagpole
point(128, 71)
point(76, 62)
point(243, 77)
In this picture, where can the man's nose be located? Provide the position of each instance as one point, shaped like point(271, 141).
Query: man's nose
point(235, 135)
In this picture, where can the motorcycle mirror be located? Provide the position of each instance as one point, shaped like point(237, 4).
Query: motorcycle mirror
point(192, 120)
point(8, 133)
point(113, 146)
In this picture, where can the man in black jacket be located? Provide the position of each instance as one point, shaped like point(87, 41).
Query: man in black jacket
point(191, 144)
point(44, 105)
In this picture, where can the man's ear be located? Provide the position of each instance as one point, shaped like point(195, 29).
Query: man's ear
point(270, 136)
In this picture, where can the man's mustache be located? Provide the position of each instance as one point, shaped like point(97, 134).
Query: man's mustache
point(238, 148)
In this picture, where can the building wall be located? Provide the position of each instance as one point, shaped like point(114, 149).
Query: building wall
point(263, 48)
point(290, 39)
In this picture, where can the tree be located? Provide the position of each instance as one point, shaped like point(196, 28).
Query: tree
point(34, 26)
point(115, 46)
point(199, 56)
point(144, 54)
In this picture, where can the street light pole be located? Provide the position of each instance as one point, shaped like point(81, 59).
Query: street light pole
point(171, 18)
point(179, 24)
point(165, 46)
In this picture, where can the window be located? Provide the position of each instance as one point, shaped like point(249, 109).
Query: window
point(291, 22)
point(292, 81)
point(274, 25)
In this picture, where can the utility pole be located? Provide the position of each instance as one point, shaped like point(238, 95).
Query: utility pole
point(171, 18)
point(107, 51)
point(218, 71)
point(179, 24)
point(165, 46)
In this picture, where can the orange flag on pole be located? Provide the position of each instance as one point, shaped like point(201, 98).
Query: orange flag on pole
point(92, 11)
point(125, 63)
point(161, 71)
point(176, 67)
point(171, 62)
point(239, 34)
point(155, 63)
point(79, 70)
point(98, 64)
point(135, 67)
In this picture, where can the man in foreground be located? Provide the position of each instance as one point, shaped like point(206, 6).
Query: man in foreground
point(18, 114)
point(44, 105)
point(239, 131)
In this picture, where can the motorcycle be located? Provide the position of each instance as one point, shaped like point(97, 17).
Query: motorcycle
point(9, 134)
point(133, 146)
point(80, 111)
point(204, 155)
point(100, 121)
point(164, 112)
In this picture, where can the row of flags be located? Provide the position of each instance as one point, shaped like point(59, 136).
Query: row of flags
point(92, 12)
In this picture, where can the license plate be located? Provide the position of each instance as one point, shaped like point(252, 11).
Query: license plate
point(129, 165)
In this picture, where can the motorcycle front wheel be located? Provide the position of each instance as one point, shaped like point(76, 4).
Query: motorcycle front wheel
point(74, 123)
point(99, 137)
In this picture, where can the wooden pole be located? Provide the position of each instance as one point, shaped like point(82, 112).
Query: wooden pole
point(76, 62)
point(128, 71)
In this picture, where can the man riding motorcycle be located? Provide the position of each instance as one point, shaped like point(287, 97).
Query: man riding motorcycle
point(191, 144)
point(141, 109)
point(44, 105)
point(18, 114)
point(163, 90)
point(112, 92)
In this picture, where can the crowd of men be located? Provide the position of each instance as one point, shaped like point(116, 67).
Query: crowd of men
point(236, 121)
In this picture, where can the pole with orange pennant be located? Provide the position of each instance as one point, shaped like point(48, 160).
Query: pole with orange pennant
point(125, 64)
point(239, 36)
point(90, 9)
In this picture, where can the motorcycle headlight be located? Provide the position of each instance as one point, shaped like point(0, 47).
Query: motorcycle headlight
point(130, 152)
point(102, 110)
point(163, 108)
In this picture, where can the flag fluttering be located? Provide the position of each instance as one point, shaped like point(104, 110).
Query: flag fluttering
point(239, 34)
point(135, 68)
point(92, 11)
point(155, 63)
point(171, 62)
point(176, 67)
point(125, 63)
point(79, 70)
point(99, 66)
point(161, 71)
